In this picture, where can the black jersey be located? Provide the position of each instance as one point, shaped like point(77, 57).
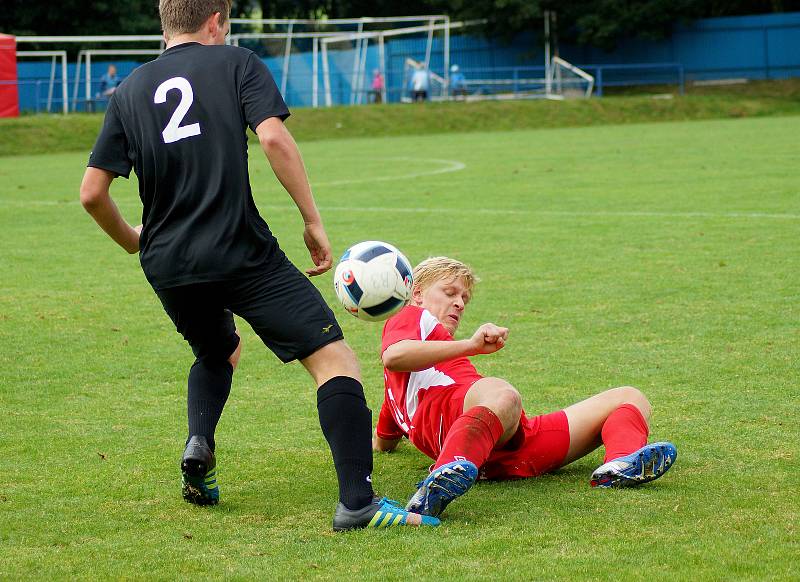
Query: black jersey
point(180, 122)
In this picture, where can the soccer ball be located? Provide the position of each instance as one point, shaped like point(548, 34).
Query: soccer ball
point(373, 280)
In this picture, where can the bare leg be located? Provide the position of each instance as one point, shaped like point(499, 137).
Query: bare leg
point(501, 398)
point(331, 360)
point(586, 418)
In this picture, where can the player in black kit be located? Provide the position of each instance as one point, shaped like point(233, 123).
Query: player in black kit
point(180, 123)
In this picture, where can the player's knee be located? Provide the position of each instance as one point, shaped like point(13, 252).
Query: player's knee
point(346, 357)
point(506, 402)
point(512, 401)
point(331, 360)
point(631, 395)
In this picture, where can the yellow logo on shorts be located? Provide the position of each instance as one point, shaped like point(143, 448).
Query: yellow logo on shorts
point(327, 328)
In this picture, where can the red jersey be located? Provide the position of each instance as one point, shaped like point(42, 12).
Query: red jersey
point(405, 392)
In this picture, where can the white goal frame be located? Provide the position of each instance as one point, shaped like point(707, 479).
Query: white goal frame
point(64, 82)
point(555, 80)
point(87, 56)
point(322, 37)
point(363, 38)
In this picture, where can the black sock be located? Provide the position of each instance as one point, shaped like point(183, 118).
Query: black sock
point(347, 425)
point(209, 387)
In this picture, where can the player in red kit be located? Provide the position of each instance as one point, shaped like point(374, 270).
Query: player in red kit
point(475, 426)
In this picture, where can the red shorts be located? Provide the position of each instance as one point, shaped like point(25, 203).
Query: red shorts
point(544, 449)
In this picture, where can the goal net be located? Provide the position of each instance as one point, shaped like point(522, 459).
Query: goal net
point(402, 56)
point(566, 81)
point(345, 61)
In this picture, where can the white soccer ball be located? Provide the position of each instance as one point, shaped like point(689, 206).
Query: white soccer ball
point(373, 280)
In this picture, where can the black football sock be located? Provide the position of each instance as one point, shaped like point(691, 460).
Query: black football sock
point(347, 425)
point(209, 387)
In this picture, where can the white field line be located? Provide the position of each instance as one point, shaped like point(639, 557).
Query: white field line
point(446, 166)
point(566, 213)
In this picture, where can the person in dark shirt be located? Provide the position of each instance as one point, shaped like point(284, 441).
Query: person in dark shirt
point(180, 123)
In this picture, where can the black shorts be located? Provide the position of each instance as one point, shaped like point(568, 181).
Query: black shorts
point(281, 304)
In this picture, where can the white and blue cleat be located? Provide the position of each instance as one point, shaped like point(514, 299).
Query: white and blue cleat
point(442, 486)
point(646, 464)
point(381, 513)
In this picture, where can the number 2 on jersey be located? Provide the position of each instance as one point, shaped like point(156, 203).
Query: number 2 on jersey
point(174, 131)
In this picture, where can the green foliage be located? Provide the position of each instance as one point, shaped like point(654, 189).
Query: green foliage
point(74, 17)
point(601, 23)
point(659, 255)
point(604, 23)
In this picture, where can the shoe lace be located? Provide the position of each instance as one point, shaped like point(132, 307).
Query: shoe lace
point(390, 502)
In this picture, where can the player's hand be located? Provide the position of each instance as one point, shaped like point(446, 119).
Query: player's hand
point(380, 445)
point(133, 247)
point(489, 338)
point(318, 246)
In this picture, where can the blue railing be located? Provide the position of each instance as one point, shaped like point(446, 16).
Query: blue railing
point(517, 79)
point(636, 74)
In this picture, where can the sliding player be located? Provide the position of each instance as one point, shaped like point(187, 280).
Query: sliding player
point(472, 425)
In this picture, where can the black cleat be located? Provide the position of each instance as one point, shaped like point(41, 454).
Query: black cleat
point(199, 475)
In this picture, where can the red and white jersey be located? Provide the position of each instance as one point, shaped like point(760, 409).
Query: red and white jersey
point(406, 391)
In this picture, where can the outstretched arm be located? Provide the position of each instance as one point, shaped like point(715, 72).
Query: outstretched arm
point(284, 157)
point(97, 201)
point(387, 433)
point(415, 355)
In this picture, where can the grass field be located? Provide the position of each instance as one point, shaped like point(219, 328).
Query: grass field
point(664, 256)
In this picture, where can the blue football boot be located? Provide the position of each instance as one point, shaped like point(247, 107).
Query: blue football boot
point(442, 486)
point(646, 464)
point(381, 513)
point(199, 473)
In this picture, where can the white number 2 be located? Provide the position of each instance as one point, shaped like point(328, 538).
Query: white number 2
point(174, 131)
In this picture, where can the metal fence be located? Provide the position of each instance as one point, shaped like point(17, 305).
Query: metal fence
point(754, 47)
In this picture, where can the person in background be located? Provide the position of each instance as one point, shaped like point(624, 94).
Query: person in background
point(377, 86)
point(419, 83)
point(458, 83)
point(108, 83)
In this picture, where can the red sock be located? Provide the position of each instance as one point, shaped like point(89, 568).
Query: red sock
point(624, 431)
point(472, 437)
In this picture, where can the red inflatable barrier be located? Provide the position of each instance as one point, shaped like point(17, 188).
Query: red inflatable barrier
point(9, 95)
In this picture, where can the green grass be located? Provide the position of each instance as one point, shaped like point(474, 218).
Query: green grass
point(664, 256)
point(77, 132)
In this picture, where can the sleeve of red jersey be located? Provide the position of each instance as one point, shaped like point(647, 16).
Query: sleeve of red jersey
point(403, 326)
point(387, 427)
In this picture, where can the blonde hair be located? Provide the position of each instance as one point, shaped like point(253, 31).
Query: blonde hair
point(187, 16)
point(436, 269)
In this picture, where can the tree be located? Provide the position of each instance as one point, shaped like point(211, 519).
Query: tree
point(597, 22)
point(71, 17)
